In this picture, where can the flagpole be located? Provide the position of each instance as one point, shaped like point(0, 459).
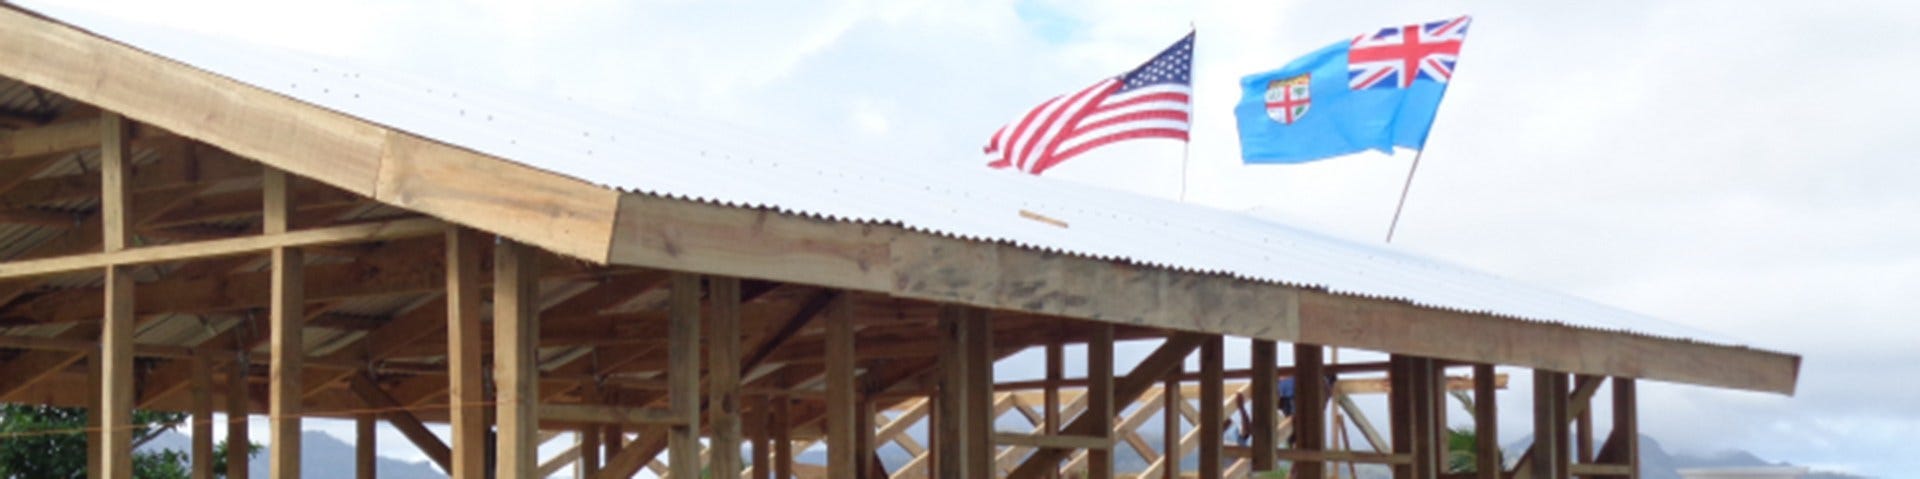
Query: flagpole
point(1404, 188)
point(1186, 149)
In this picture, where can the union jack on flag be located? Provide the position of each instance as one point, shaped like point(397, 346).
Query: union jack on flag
point(1396, 56)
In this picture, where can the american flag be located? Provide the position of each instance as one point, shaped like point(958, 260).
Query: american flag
point(1152, 101)
point(1396, 56)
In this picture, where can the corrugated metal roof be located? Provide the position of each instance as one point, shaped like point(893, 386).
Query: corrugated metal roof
point(713, 161)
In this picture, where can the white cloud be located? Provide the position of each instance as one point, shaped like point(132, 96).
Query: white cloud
point(1733, 166)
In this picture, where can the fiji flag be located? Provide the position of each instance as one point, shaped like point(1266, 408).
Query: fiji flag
point(1376, 91)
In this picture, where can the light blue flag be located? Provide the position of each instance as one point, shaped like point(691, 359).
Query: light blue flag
point(1374, 92)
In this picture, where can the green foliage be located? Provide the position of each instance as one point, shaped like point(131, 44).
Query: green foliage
point(50, 442)
point(1462, 455)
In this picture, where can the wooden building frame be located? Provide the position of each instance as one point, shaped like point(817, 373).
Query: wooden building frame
point(186, 231)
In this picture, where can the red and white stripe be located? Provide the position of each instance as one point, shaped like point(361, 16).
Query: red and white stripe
point(1070, 125)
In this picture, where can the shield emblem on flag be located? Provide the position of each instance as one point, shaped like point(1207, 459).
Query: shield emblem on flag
point(1288, 99)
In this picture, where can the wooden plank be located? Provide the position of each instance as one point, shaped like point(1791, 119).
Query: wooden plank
point(1392, 326)
point(782, 438)
point(1212, 418)
point(1265, 357)
point(1309, 413)
point(96, 447)
point(466, 393)
point(365, 447)
point(516, 373)
point(1052, 441)
point(1170, 423)
point(202, 435)
point(1583, 425)
point(402, 419)
point(1599, 470)
point(116, 165)
point(116, 345)
point(557, 213)
point(364, 232)
point(843, 460)
point(287, 349)
point(1626, 425)
point(1486, 423)
point(1400, 411)
point(1101, 407)
point(116, 337)
point(1549, 425)
point(678, 235)
point(605, 414)
point(683, 376)
point(761, 433)
point(723, 374)
point(660, 232)
point(308, 140)
point(982, 413)
point(589, 447)
point(949, 428)
point(238, 408)
point(62, 137)
point(1300, 455)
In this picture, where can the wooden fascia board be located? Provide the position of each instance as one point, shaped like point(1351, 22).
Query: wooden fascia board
point(557, 213)
point(684, 235)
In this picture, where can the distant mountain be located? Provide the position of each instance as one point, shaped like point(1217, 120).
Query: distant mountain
point(321, 457)
point(1657, 463)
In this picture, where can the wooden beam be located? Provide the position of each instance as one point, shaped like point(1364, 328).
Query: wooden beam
point(762, 438)
point(981, 413)
point(1053, 441)
point(63, 137)
point(1626, 426)
point(238, 443)
point(1150, 370)
point(1101, 406)
point(365, 447)
point(1309, 408)
point(1212, 358)
point(723, 374)
point(843, 461)
point(516, 365)
point(379, 231)
point(116, 338)
point(287, 309)
point(96, 446)
point(605, 414)
point(466, 392)
point(589, 447)
point(1486, 424)
point(668, 233)
point(202, 435)
point(560, 214)
point(1400, 416)
point(1583, 425)
point(1549, 425)
point(683, 375)
point(1301, 455)
point(1170, 423)
point(1265, 356)
point(397, 415)
point(782, 437)
point(1056, 353)
point(952, 456)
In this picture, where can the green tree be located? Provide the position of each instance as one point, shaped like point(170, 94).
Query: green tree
point(50, 442)
point(1462, 451)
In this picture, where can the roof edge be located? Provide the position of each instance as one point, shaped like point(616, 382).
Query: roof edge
point(554, 212)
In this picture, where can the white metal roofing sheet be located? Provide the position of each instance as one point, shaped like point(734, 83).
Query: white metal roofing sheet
point(713, 161)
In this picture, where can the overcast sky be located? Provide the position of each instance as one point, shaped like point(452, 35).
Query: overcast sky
point(1735, 166)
